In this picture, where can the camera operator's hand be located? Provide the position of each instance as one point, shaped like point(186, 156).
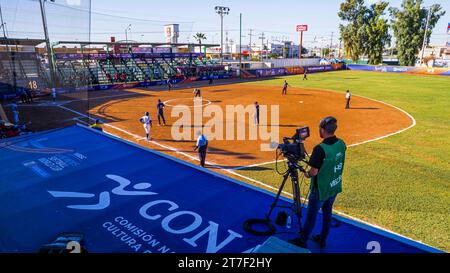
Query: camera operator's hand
point(312, 172)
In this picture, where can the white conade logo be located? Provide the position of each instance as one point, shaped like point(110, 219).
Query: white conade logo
point(211, 231)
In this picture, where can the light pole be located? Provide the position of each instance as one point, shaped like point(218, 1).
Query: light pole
point(128, 28)
point(47, 42)
point(424, 44)
point(222, 11)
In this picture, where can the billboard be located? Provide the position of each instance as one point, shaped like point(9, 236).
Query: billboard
point(301, 28)
point(171, 33)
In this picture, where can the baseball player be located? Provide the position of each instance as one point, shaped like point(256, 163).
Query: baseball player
point(256, 113)
point(347, 98)
point(147, 123)
point(160, 106)
point(197, 93)
point(285, 86)
point(305, 75)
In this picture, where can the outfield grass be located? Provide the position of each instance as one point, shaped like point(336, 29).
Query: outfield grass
point(401, 182)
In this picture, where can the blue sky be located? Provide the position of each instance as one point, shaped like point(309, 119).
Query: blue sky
point(277, 19)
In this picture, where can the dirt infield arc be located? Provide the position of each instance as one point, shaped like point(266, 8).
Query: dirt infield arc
point(366, 120)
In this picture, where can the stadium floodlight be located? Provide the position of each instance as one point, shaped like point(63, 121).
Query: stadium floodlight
point(126, 32)
point(424, 44)
point(222, 11)
point(126, 36)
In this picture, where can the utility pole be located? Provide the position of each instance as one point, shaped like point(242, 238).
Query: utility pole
point(331, 44)
point(250, 35)
point(262, 37)
point(240, 43)
point(222, 11)
point(424, 44)
point(49, 48)
point(227, 42)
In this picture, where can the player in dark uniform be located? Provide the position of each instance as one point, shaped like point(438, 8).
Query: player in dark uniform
point(211, 77)
point(197, 93)
point(285, 86)
point(305, 75)
point(256, 113)
point(160, 106)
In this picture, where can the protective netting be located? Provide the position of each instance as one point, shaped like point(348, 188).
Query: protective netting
point(35, 85)
point(41, 91)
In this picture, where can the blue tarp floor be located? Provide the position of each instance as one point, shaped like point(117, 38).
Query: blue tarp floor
point(125, 198)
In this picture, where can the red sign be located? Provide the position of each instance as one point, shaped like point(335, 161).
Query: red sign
point(301, 28)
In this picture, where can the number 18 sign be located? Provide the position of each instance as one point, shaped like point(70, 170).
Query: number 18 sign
point(301, 28)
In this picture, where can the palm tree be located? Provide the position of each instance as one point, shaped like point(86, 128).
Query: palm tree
point(199, 37)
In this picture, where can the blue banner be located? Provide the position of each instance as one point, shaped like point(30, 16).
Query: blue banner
point(104, 56)
point(380, 68)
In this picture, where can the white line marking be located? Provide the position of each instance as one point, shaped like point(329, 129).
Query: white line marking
point(182, 105)
point(108, 97)
point(137, 137)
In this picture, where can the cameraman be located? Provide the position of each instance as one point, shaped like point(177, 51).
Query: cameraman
point(327, 164)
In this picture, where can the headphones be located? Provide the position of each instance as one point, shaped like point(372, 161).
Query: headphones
point(328, 120)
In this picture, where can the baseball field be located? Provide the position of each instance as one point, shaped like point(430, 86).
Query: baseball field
point(398, 131)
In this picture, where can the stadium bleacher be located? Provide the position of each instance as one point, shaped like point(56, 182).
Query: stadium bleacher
point(24, 65)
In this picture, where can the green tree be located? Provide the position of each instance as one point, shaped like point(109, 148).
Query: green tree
point(325, 52)
point(408, 24)
point(353, 34)
point(200, 37)
point(377, 34)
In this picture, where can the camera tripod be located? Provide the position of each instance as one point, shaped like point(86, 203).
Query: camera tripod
point(293, 174)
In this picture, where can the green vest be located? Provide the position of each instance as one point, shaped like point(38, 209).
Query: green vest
point(329, 178)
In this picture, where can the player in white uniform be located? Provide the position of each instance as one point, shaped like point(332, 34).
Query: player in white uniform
point(147, 123)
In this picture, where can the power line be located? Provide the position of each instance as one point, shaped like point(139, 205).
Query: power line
point(116, 16)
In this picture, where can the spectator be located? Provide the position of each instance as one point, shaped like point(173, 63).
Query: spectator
point(23, 95)
point(54, 94)
point(15, 112)
point(29, 95)
point(97, 125)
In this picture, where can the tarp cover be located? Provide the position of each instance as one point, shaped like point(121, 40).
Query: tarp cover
point(125, 198)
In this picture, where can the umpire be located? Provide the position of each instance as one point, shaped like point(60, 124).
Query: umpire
point(327, 164)
point(202, 147)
